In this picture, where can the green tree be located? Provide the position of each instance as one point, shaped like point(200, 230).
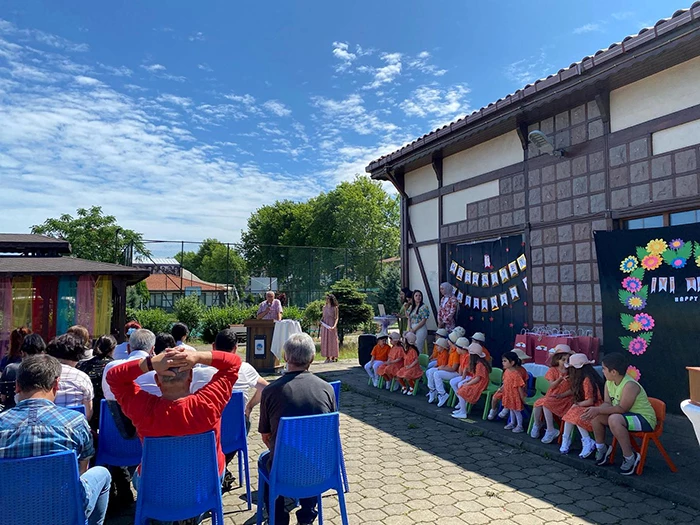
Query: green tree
point(389, 286)
point(189, 310)
point(217, 263)
point(352, 309)
point(137, 296)
point(93, 235)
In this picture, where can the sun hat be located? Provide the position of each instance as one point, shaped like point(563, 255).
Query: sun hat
point(456, 334)
point(410, 338)
point(462, 343)
point(382, 335)
point(442, 332)
point(476, 349)
point(522, 355)
point(562, 349)
point(577, 361)
point(479, 336)
point(394, 336)
point(442, 343)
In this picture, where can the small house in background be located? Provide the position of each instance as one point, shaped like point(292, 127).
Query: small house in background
point(45, 289)
point(168, 282)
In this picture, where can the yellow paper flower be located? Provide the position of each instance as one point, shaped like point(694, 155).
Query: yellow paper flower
point(635, 302)
point(697, 260)
point(656, 246)
point(635, 326)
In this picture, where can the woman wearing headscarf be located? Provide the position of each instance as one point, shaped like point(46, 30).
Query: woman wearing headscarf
point(447, 312)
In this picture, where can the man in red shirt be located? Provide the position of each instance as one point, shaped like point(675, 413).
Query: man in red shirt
point(177, 412)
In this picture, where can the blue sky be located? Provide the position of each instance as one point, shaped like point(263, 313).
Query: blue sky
point(181, 118)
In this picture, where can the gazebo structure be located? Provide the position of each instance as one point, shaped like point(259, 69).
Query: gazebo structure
point(46, 290)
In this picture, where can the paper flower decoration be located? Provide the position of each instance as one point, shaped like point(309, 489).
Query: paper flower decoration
point(645, 320)
point(637, 346)
point(676, 244)
point(632, 284)
point(635, 326)
point(634, 373)
point(634, 302)
point(656, 246)
point(678, 262)
point(651, 262)
point(629, 264)
point(697, 260)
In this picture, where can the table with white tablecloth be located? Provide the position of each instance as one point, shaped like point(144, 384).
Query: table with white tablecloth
point(283, 330)
point(692, 411)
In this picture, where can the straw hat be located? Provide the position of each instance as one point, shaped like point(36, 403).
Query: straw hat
point(462, 343)
point(442, 343)
point(578, 360)
point(442, 332)
point(522, 355)
point(394, 336)
point(410, 338)
point(476, 349)
point(562, 349)
point(479, 336)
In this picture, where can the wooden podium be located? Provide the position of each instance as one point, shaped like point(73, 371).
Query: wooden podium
point(258, 344)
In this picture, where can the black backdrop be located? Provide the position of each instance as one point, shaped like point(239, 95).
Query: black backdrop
point(500, 326)
point(674, 344)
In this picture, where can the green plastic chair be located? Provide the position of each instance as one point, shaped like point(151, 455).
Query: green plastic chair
point(541, 387)
point(495, 380)
point(423, 361)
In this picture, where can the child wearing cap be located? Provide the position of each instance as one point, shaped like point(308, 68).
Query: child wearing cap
point(380, 353)
point(498, 396)
point(559, 397)
point(480, 339)
point(439, 333)
point(411, 370)
point(479, 369)
point(463, 376)
point(436, 387)
point(587, 386)
point(394, 360)
point(513, 391)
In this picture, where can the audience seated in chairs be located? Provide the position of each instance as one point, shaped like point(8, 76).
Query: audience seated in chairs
point(75, 387)
point(32, 344)
point(52, 429)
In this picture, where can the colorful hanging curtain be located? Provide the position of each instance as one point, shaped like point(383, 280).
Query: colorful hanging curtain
point(103, 305)
point(85, 305)
point(67, 299)
point(5, 315)
point(44, 306)
point(22, 295)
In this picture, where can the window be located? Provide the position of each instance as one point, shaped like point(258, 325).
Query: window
point(655, 221)
point(685, 217)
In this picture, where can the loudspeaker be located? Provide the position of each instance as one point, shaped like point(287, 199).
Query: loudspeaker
point(365, 343)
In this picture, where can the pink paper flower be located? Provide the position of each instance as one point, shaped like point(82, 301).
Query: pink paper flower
point(637, 346)
point(645, 320)
point(632, 284)
point(634, 373)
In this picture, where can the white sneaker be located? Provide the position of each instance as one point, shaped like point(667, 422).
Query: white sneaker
point(550, 436)
point(565, 445)
point(503, 413)
point(387, 384)
point(535, 432)
point(509, 426)
point(442, 399)
point(410, 392)
point(459, 414)
point(588, 448)
point(492, 414)
point(518, 430)
point(432, 396)
point(375, 381)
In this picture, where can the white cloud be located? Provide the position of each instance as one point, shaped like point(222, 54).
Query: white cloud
point(342, 53)
point(134, 87)
point(153, 68)
point(623, 15)
point(48, 39)
point(277, 108)
point(175, 100)
point(434, 101)
point(159, 71)
point(87, 81)
point(205, 67)
point(587, 28)
point(387, 73)
point(121, 71)
point(196, 37)
point(350, 113)
point(270, 129)
point(528, 70)
point(420, 62)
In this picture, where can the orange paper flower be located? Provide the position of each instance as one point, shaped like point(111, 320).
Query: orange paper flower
point(651, 262)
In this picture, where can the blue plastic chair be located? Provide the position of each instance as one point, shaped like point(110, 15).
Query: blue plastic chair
point(77, 408)
point(234, 438)
point(113, 449)
point(179, 479)
point(60, 498)
point(306, 463)
point(336, 388)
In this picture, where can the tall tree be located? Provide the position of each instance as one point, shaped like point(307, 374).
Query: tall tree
point(93, 235)
point(217, 263)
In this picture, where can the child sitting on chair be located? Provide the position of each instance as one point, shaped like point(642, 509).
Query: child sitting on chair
point(479, 369)
point(559, 397)
point(498, 396)
point(436, 376)
point(462, 345)
point(394, 360)
point(380, 353)
point(411, 370)
point(513, 390)
point(439, 333)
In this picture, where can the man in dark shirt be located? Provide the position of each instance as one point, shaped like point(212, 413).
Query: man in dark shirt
point(296, 393)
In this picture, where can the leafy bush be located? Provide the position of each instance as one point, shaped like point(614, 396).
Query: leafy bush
point(189, 310)
point(353, 310)
point(155, 319)
point(293, 312)
point(312, 314)
point(217, 318)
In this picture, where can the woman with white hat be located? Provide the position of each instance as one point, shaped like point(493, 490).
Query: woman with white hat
point(436, 386)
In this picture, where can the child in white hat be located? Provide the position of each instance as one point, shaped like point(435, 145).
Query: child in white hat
point(479, 369)
point(439, 333)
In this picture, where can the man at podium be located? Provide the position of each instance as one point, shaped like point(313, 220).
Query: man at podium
point(270, 308)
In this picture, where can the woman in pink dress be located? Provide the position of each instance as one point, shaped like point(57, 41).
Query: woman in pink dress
point(329, 329)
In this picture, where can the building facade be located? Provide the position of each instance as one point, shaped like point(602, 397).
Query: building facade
point(627, 122)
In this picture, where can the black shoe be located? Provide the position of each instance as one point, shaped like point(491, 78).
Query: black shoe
point(228, 482)
point(629, 466)
point(602, 457)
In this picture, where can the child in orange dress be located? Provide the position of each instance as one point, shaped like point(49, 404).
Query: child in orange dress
point(440, 333)
point(513, 391)
point(411, 370)
point(394, 361)
point(380, 353)
point(463, 376)
point(479, 369)
point(588, 387)
point(498, 396)
point(559, 397)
